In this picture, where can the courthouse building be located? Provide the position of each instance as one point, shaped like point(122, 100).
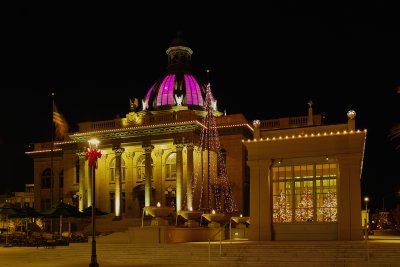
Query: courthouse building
point(296, 178)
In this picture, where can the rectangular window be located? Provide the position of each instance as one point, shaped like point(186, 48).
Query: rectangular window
point(170, 172)
point(45, 203)
point(112, 175)
point(140, 171)
point(304, 193)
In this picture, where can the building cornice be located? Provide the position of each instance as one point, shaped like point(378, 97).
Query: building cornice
point(138, 131)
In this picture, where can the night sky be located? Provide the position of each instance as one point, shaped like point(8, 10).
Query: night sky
point(265, 62)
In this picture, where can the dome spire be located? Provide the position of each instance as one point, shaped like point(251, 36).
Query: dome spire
point(179, 53)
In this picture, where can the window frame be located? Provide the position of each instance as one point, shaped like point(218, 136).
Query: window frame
point(304, 192)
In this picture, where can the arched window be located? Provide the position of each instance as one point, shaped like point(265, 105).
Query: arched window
point(112, 170)
point(46, 178)
point(170, 167)
point(141, 168)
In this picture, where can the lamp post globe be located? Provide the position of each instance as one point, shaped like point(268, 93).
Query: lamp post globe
point(366, 199)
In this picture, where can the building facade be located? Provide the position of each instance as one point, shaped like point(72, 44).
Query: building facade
point(295, 177)
point(20, 199)
point(152, 155)
point(307, 175)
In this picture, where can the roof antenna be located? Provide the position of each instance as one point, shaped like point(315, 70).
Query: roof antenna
point(208, 76)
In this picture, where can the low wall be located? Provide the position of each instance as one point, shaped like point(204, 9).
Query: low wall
point(305, 231)
point(169, 234)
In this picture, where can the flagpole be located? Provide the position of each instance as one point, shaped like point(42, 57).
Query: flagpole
point(52, 151)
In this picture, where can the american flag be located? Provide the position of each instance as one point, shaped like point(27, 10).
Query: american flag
point(61, 125)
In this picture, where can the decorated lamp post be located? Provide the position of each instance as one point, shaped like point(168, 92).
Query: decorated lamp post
point(366, 199)
point(92, 154)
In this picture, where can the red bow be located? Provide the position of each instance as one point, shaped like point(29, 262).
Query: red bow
point(92, 155)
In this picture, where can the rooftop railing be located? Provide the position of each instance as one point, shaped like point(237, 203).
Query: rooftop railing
point(289, 122)
point(154, 119)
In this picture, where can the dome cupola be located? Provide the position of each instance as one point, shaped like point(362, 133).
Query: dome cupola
point(178, 88)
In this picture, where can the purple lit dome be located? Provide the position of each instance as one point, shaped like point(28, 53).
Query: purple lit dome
point(178, 87)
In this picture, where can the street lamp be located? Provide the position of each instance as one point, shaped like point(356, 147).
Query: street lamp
point(92, 154)
point(366, 199)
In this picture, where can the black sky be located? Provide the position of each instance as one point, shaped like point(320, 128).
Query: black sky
point(265, 61)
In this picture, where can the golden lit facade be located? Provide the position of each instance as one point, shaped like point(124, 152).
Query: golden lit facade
point(296, 178)
point(143, 154)
point(151, 155)
point(308, 176)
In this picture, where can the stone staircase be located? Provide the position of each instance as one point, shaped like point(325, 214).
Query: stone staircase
point(246, 253)
point(115, 248)
point(194, 254)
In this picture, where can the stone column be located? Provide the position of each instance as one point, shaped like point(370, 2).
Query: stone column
point(179, 178)
point(349, 195)
point(148, 175)
point(159, 183)
point(82, 181)
point(88, 185)
point(129, 184)
point(189, 171)
point(260, 200)
point(118, 184)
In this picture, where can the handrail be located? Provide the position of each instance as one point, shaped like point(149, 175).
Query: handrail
point(366, 238)
point(143, 217)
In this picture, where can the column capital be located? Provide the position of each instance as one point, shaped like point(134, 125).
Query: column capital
point(179, 147)
point(81, 155)
point(148, 148)
point(118, 151)
point(190, 146)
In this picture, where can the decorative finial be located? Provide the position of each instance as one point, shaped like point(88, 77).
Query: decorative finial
point(351, 114)
point(310, 120)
